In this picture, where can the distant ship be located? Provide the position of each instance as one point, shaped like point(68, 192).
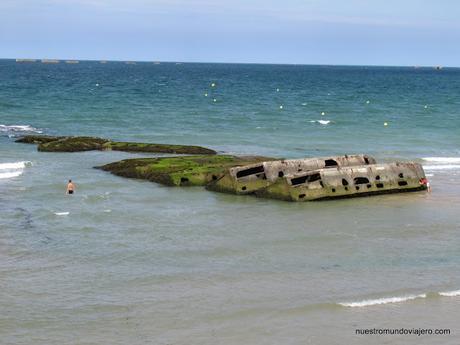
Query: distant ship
point(25, 60)
point(50, 61)
point(72, 61)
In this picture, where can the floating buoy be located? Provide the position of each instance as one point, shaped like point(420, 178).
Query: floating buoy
point(277, 90)
point(367, 102)
point(281, 107)
point(206, 95)
point(425, 106)
point(304, 103)
point(214, 100)
point(385, 123)
point(213, 84)
point(323, 113)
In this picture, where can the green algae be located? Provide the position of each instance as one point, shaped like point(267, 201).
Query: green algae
point(158, 148)
point(82, 143)
point(230, 185)
point(37, 139)
point(179, 171)
point(73, 144)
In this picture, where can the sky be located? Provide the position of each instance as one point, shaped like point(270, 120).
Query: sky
point(339, 32)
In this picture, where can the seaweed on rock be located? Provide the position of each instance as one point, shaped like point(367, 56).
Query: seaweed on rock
point(81, 143)
point(179, 171)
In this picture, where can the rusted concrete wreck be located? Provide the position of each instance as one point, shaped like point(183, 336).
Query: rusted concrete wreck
point(351, 181)
point(250, 178)
point(292, 180)
point(321, 178)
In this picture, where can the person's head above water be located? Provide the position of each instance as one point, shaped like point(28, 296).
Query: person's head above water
point(70, 181)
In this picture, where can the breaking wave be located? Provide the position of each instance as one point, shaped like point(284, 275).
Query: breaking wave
point(442, 167)
point(16, 165)
point(442, 159)
point(450, 293)
point(14, 130)
point(398, 299)
point(10, 170)
point(10, 174)
point(377, 301)
point(321, 122)
point(442, 163)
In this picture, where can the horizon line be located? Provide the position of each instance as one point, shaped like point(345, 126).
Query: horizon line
point(31, 60)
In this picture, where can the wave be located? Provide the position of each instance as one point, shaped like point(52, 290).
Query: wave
point(10, 174)
point(450, 293)
point(442, 167)
point(61, 213)
point(16, 165)
point(12, 129)
point(442, 163)
point(322, 122)
point(398, 299)
point(11, 170)
point(378, 301)
point(442, 159)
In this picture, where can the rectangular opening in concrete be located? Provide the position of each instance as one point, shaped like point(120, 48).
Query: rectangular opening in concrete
point(251, 171)
point(330, 163)
point(361, 180)
point(307, 178)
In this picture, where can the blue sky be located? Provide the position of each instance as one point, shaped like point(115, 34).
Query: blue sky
point(390, 32)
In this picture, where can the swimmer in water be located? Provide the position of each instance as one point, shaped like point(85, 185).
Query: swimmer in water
point(70, 187)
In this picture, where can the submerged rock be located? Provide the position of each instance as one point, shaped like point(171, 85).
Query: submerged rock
point(78, 144)
point(73, 144)
point(250, 178)
point(37, 139)
point(158, 148)
point(348, 182)
point(179, 171)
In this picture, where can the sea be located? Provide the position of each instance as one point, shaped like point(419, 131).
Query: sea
point(125, 261)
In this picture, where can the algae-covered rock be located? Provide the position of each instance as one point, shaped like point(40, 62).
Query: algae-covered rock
point(158, 148)
point(37, 139)
point(73, 144)
point(179, 171)
point(77, 144)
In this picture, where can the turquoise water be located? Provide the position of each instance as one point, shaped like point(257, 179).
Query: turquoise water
point(126, 261)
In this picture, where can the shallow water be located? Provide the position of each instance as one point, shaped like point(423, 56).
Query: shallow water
point(127, 261)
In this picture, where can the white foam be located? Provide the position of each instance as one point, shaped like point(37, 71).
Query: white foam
point(16, 165)
point(10, 174)
point(61, 213)
point(19, 128)
point(442, 159)
point(379, 301)
point(10, 170)
point(442, 167)
point(450, 293)
point(322, 122)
